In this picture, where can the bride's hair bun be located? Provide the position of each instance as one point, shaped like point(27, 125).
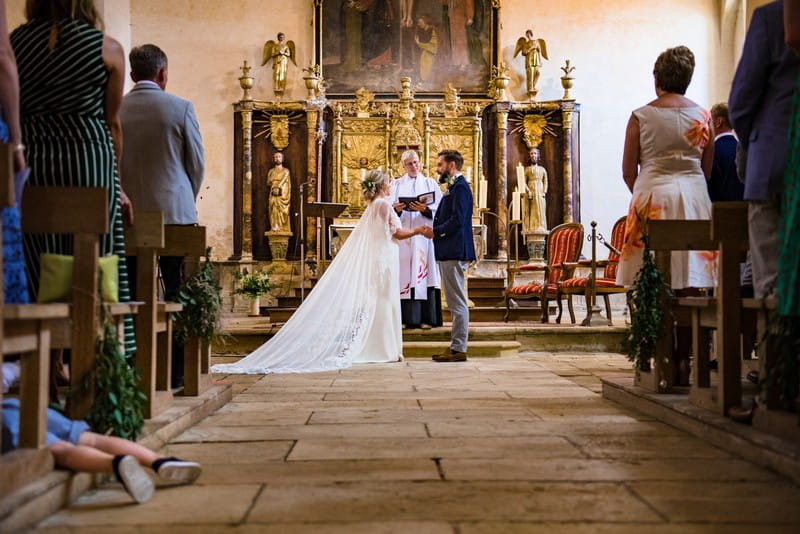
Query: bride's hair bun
point(374, 183)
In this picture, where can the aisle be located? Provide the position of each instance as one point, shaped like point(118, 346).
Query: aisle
point(514, 444)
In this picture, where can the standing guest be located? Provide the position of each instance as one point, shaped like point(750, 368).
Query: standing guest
point(760, 109)
point(666, 162)
point(724, 184)
point(420, 296)
point(71, 78)
point(452, 239)
point(15, 285)
point(162, 165)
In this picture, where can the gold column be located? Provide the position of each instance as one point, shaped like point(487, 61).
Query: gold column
point(501, 178)
point(387, 142)
point(312, 124)
point(566, 117)
point(247, 183)
point(477, 151)
point(426, 140)
point(338, 164)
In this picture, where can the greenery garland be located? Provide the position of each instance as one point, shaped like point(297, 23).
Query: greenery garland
point(202, 305)
point(650, 290)
point(118, 407)
point(783, 369)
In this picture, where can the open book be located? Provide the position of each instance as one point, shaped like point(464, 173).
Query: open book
point(425, 198)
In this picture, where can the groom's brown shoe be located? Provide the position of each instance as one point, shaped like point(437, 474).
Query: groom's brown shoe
point(450, 356)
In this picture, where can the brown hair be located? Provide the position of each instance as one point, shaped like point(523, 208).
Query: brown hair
point(83, 10)
point(720, 111)
point(454, 156)
point(673, 69)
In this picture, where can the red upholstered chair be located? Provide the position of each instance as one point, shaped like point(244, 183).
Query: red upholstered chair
point(563, 247)
point(605, 285)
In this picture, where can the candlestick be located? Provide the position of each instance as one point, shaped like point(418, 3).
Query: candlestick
point(483, 188)
point(344, 175)
point(516, 206)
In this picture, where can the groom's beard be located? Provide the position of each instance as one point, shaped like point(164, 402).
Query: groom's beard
point(443, 177)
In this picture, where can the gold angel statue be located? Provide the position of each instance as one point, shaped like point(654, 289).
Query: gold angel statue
point(280, 53)
point(533, 50)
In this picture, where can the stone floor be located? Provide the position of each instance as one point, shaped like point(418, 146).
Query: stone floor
point(513, 444)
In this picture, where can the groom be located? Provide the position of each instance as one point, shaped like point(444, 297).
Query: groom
point(454, 249)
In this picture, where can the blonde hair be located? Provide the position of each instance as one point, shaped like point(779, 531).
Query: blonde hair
point(373, 184)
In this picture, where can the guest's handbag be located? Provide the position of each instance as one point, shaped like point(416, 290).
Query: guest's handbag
point(55, 278)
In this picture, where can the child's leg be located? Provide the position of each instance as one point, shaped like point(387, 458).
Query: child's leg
point(114, 446)
point(81, 458)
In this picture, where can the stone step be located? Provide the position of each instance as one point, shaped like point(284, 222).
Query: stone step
point(497, 292)
point(482, 349)
point(487, 283)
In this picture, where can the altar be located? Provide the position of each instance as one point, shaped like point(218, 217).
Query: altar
point(338, 132)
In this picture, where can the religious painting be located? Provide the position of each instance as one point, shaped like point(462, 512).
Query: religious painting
point(374, 43)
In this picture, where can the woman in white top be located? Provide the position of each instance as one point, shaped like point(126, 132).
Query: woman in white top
point(353, 313)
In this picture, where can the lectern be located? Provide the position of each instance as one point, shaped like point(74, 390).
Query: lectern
point(320, 210)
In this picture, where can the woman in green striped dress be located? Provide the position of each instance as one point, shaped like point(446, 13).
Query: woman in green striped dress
point(71, 79)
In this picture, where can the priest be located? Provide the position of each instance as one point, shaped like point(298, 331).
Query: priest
point(415, 198)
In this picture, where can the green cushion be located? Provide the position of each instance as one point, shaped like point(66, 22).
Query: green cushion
point(55, 278)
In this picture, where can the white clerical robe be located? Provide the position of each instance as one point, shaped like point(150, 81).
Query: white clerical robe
point(418, 268)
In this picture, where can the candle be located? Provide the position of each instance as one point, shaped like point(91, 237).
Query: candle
point(469, 174)
point(520, 176)
point(380, 168)
point(483, 187)
point(516, 206)
point(363, 174)
point(344, 175)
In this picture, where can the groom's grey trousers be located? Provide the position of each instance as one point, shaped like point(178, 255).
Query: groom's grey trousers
point(452, 272)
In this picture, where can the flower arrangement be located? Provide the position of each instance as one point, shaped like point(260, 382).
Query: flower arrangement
point(368, 185)
point(252, 285)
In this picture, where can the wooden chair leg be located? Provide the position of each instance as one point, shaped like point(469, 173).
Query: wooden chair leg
point(545, 309)
point(607, 301)
point(560, 309)
point(571, 309)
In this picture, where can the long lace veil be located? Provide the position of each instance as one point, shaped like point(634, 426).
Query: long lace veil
point(330, 326)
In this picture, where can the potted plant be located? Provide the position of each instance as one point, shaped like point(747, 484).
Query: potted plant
point(252, 285)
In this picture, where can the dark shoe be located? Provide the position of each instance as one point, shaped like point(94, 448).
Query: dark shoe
point(133, 478)
point(452, 356)
point(743, 414)
point(753, 377)
point(177, 471)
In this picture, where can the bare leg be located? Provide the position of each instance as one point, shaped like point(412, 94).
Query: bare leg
point(81, 458)
point(114, 446)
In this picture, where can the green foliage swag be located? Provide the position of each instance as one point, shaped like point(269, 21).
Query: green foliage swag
point(118, 407)
point(783, 368)
point(649, 291)
point(252, 285)
point(202, 304)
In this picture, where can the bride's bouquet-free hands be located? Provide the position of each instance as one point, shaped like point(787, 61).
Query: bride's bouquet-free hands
point(425, 230)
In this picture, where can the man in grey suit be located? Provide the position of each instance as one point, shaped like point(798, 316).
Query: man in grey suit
point(760, 108)
point(162, 160)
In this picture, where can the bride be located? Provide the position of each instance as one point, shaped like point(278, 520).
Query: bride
point(353, 313)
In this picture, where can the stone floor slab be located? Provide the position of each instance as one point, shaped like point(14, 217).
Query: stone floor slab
point(578, 469)
point(448, 501)
point(488, 447)
point(203, 433)
point(188, 505)
point(569, 527)
point(231, 454)
point(353, 415)
point(319, 471)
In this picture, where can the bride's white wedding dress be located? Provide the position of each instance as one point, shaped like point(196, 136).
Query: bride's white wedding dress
point(353, 313)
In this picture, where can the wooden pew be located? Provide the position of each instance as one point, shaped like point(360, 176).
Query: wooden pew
point(25, 330)
point(82, 212)
point(667, 236)
point(154, 319)
point(190, 242)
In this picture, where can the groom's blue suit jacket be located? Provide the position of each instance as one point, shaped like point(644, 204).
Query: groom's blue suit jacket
point(452, 225)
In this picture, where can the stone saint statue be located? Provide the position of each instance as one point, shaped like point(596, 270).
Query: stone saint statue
point(280, 53)
point(280, 195)
point(535, 208)
point(533, 50)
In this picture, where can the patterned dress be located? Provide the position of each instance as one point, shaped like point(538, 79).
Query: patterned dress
point(670, 185)
point(62, 104)
point(15, 284)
